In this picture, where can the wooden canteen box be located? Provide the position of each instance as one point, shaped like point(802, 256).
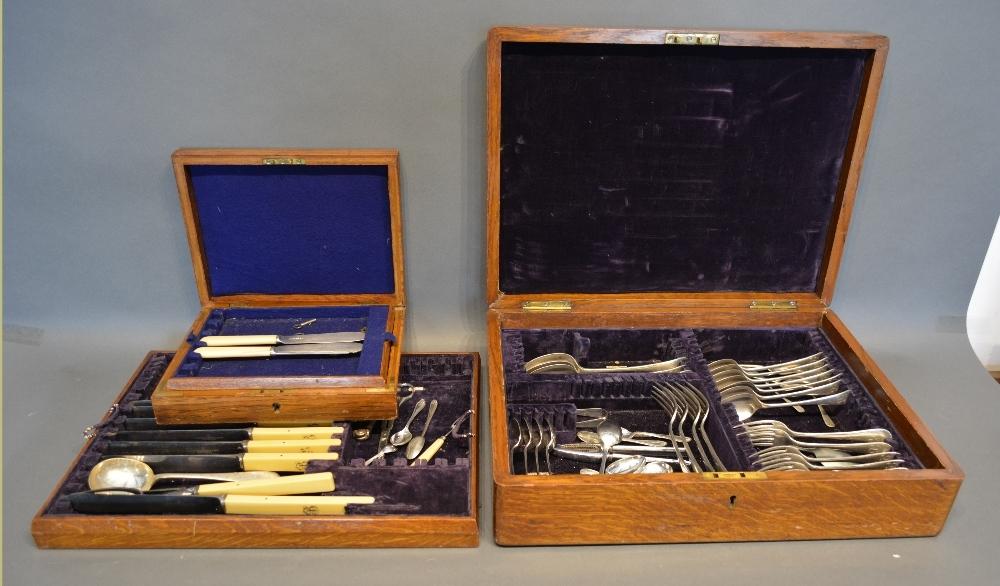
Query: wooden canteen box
point(657, 194)
point(290, 242)
point(431, 504)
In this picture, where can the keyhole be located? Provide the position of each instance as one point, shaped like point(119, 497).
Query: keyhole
point(732, 502)
point(277, 407)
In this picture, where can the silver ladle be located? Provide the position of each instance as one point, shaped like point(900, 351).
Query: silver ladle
point(133, 474)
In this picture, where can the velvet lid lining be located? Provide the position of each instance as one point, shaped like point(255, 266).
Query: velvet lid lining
point(294, 229)
point(632, 168)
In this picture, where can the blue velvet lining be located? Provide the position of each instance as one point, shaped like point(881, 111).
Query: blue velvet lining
point(271, 320)
point(294, 229)
point(628, 168)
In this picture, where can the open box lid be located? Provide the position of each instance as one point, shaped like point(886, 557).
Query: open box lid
point(273, 226)
point(646, 164)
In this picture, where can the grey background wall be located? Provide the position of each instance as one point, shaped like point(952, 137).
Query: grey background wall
point(99, 93)
point(97, 271)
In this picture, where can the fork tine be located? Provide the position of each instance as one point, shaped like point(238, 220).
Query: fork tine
point(524, 448)
point(520, 436)
point(541, 438)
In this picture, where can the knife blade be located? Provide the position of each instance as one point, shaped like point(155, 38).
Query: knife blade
point(273, 340)
point(341, 348)
point(156, 504)
point(221, 447)
point(230, 462)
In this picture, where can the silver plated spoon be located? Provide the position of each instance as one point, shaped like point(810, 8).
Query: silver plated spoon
point(129, 473)
point(610, 434)
point(416, 445)
point(404, 435)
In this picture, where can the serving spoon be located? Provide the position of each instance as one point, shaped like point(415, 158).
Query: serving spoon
point(129, 473)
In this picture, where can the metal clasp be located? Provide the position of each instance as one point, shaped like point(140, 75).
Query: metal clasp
point(692, 39)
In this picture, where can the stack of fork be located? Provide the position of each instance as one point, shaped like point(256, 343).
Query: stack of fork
point(686, 406)
point(534, 432)
point(561, 363)
point(787, 449)
point(796, 383)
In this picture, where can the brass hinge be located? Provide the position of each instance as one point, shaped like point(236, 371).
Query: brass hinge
point(547, 306)
point(284, 161)
point(692, 39)
point(774, 305)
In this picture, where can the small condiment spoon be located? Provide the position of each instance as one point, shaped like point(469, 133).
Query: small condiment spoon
point(404, 435)
point(416, 444)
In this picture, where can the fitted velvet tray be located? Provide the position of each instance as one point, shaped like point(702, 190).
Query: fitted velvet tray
point(288, 242)
point(663, 194)
point(427, 505)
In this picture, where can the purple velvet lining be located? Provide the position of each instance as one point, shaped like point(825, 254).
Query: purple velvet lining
point(281, 321)
point(441, 488)
point(293, 229)
point(629, 168)
point(627, 394)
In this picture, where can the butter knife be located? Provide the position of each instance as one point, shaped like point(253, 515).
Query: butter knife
point(338, 349)
point(273, 340)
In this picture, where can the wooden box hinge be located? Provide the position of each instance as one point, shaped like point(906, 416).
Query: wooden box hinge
point(774, 305)
point(546, 306)
point(692, 39)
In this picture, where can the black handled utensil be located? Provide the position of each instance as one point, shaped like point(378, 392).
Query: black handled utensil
point(221, 447)
point(156, 504)
point(231, 462)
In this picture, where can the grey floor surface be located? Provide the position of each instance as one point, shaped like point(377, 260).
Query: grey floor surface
point(54, 389)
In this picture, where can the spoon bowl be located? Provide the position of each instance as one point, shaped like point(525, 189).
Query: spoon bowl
point(610, 434)
point(405, 435)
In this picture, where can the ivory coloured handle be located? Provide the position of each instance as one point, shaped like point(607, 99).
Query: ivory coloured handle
point(289, 446)
point(262, 340)
point(211, 352)
point(284, 462)
point(273, 433)
point(430, 451)
point(297, 484)
point(238, 504)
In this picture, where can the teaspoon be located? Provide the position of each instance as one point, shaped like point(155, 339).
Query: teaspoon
point(404, 435)
point(610, 434)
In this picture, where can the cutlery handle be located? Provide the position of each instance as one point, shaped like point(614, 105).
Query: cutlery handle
point(121, 504)
point(261, 340)
point(430, 451)
point(284, 462)
point(218, 477)
point(273, 433)
point(288, 446)
point(297, 484)
point(212, 352)
point(291, 505)
point(430, 415)
point(416, 411)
